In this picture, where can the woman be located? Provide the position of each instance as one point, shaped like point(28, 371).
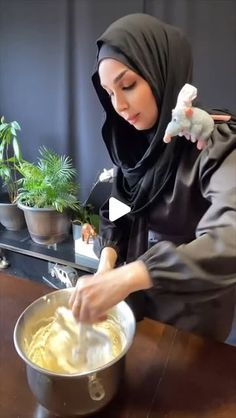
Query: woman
point(173, 256)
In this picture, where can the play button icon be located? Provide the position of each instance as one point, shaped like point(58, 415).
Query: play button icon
point(117, 209)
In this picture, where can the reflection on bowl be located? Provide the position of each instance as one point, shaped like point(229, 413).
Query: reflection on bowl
point(79, 393)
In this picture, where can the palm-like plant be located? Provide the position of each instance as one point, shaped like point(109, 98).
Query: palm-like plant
point(85, 214)
point(82, 215)
point(49, 183)
point(10, 157)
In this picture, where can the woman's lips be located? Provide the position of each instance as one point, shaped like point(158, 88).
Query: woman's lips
point(133, 119)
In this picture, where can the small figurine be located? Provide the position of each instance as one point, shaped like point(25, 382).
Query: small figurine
point(193, 123)
point(88, 231)
point(4, 263)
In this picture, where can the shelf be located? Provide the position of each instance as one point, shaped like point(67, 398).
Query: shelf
point(62, 253)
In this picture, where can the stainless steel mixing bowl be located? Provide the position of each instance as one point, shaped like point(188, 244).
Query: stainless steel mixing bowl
point(72, 394)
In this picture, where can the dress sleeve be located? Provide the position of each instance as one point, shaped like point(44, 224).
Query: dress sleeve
point(209, 261)
point(112, 234)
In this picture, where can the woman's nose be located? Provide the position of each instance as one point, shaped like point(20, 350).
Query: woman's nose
point(119, 103)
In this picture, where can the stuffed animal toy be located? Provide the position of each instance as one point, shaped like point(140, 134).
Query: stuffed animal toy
point(193, 123)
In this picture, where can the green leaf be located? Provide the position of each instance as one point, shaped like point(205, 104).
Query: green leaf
point(10, 155)
point(13, 131)
point(16, 125)
point(16, 148)
point(50, 183)
point(3, 126)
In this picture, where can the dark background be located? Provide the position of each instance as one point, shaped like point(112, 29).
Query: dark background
point(47, 55)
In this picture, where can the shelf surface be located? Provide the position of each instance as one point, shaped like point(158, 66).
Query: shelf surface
point(63, 253)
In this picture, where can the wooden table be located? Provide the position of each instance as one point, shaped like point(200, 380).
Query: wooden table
point(169, 373)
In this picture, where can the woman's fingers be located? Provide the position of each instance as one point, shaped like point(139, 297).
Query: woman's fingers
point(87, 299)
point(75, 298)
point(76, 305)
point(200, 144)
point(72, 298)
point(94, 295)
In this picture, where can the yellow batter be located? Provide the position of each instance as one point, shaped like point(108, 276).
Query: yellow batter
point(58, 345)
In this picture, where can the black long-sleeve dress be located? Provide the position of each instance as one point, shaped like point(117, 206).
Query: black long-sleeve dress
point(185, 197)
point(193, 262)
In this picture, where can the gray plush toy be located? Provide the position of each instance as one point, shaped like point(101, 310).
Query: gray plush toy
point(193, 123)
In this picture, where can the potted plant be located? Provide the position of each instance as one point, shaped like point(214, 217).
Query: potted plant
point(47, 196)
point(10, 156)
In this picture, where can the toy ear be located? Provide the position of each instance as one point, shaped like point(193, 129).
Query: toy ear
point(188, 112)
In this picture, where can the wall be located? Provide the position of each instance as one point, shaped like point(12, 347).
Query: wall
point(47, 53)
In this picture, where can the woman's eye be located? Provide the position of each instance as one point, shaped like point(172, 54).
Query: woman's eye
point(130, 86)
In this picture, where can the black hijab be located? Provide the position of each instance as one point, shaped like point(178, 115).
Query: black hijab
point(161, 55)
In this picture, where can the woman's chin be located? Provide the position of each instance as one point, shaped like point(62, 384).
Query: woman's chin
point(142, 126)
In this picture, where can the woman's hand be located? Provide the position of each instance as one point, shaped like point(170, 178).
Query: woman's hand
point(94, 295)
point(201, 143)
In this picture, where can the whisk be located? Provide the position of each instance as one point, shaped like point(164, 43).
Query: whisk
point(88, 347)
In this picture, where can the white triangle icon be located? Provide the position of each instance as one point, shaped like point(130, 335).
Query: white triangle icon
point(117, 209)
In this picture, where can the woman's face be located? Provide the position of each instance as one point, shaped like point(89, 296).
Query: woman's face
point(130, 94)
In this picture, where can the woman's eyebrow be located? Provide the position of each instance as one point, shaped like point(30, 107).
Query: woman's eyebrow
point(117, 78)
